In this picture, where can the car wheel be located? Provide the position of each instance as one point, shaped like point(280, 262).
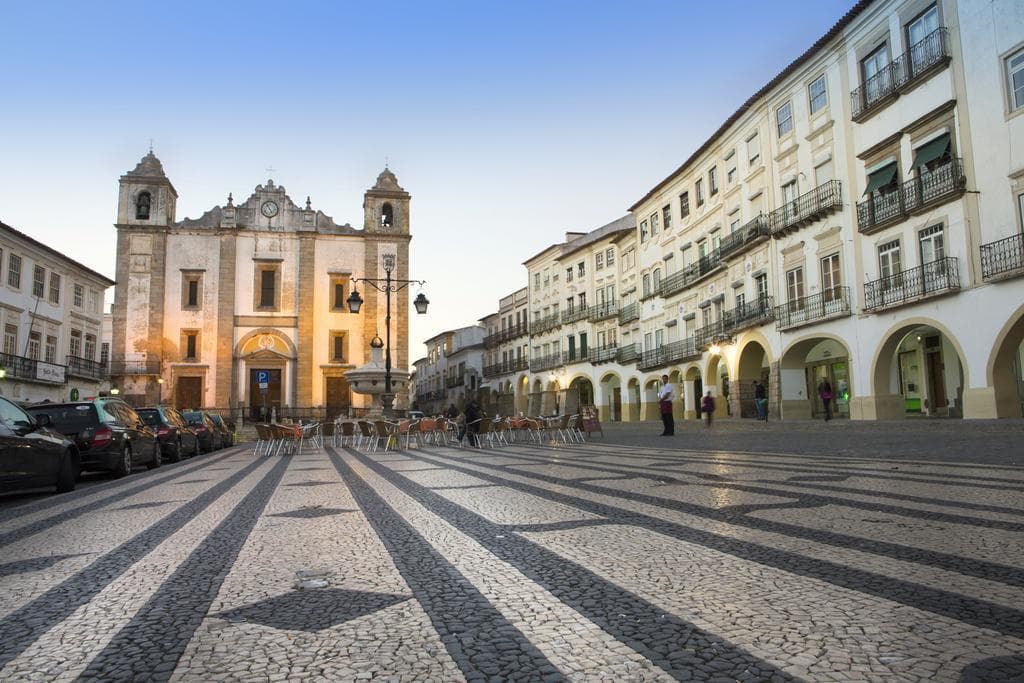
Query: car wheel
point(124, 465)
point(178, 455)
point(66, 476)
point(157, 457)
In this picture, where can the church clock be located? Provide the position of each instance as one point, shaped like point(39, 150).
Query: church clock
point(269, 209)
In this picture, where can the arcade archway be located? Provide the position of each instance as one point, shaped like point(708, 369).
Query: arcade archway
point(918, 371)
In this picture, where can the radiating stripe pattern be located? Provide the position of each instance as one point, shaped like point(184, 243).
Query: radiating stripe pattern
point(529, 562)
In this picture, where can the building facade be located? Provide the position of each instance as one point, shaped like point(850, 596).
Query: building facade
point(857, 222)
point(205, 308)
point(452, 371)
point(51, 314)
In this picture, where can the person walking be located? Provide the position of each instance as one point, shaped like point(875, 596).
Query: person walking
point(760, 401)
point(473, 417)
point(665, 405)
point(825, 391)
point(708, 406)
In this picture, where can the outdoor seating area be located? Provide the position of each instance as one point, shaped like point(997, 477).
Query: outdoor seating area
point(288, 439)
point(486, 432)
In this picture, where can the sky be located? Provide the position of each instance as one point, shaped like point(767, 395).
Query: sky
point(510, 123)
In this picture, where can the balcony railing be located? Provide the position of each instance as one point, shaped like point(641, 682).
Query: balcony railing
point(710, 334)
point(750, 314)
point(506, 367)
point(1003, 258)
point(548, 362)
point(575, 356)
point(902, 73)
point(745, 237)
point(913, 196)
point(32, 370)
point(629, 313)
point(832, 303)
point(691, 274)
point(450, 382)
point(629, 353)
point(83, 367)
point(652, 358)
point(545, 324)
point(939, 277)
point(807, 208)
point(135, 367)
point(603, 311)
point(682, 350)
point(603, 354)
point(506, 334)
point(579, 313)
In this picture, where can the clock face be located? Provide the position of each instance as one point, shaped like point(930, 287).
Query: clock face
point(269, 209)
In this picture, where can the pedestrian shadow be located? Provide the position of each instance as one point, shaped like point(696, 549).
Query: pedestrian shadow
point(1007, 669)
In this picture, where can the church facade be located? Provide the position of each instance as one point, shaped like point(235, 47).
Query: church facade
point(243, 310)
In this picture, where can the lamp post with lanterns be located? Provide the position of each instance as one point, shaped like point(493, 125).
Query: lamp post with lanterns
point(387, 285)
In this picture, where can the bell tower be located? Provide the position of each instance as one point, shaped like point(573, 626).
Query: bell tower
point(146, 197)
point(386, 206)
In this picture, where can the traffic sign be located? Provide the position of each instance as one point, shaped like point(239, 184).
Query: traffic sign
point(263, 377)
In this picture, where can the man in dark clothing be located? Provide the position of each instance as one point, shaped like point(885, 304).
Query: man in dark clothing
point(760, 401)
point(473, 416)
point(452, 412)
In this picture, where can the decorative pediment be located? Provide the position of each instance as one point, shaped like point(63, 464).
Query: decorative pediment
point(267, 346)
point(265, 355)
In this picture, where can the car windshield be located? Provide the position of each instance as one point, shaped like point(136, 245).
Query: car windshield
point(150, 417)
point(68, 417)
point(193, 417)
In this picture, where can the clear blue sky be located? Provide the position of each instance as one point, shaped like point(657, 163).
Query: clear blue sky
point(510, 123)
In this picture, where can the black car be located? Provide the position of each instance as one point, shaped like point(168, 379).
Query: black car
point(109, 435)
point(177, 439)
point(205, 429)
point(31, 454)
point(227, 438)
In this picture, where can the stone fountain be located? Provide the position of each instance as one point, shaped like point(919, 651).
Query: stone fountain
point(369, 379)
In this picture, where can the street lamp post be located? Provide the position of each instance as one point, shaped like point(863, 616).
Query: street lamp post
point(387, 285)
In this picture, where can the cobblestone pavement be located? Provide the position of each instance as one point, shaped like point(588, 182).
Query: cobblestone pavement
point(749, 552)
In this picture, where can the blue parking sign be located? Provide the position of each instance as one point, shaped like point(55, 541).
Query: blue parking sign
point(263, 376)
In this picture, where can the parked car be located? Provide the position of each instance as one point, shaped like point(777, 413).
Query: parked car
point(107, 432)
point(207, 432)
point(31, 454)
point(177, 439)
point(227, 436)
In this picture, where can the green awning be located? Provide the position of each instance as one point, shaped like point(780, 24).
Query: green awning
point(881, 178)
point(932, 151)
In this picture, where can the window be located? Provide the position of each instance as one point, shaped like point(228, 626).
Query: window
point(599, 261)
point(142, 204)
point(922, 51)
point(78, 295)
point(1015, 79)
point(734, 221)
point(105, 353)
point(568, 274)
point(191, 338)
point(75, 348)
point(705, 316)
point(11, 340)
point(191, 290)
point(877, 78)
point(337, 347)
point(94, 301)
point(702, 249)
point(823, 173)
point(932, 244)
point(38, 282)
point(536, 280)
point(713, 181)
point(753, 149)
point(570, 304)
point(741, 299)
point(789, 205)
point(51, 349)
point(583, 345)
point(889, 264)
point(547, 277)
point(339, 287)
point(583, 300)
point(14, 271)
point(54, 288)
point(34, 341)
point(581, 268)
point(654, 224)
point(830, 278)
point(657, 279)
point(268, 288)
point(730, 176)
point(784, 119)
point(647, 284)
point(698, 189)
point(817, 94)
point(666, 216)
point(932, 156)
point(609, 257)
point(716, 240)
point(572, 347)
point(643, 231)
point(684, 204)
point(761, 286)
point(795, 284)
point(90, 347)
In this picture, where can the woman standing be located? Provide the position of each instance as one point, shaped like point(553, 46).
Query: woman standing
point(665, 405)
point(825, 391)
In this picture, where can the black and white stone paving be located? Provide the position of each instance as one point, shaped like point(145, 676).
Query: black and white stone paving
point(620, 560)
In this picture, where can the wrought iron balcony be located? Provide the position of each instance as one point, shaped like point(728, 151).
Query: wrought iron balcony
point(745, 237)
point(1003, 259)
point(682, 350)
point(711, 334)
point(575, 356)
point(808, 310)
point(629, 313)
point(691, 274)
point(630, 353)
point(506, 367)
point(913, 196)
point(750, 314)
point(603, 311)
point(810, 206)
point(578, 313)
point(83, 367)
point(545, 324)
point(652, 358)
point(456, 381)
point(506, 334)
point(548, 362)
point(32, 370)
point(901, 74)
point(603, 354)
point(939, 277)
point(123, 368)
